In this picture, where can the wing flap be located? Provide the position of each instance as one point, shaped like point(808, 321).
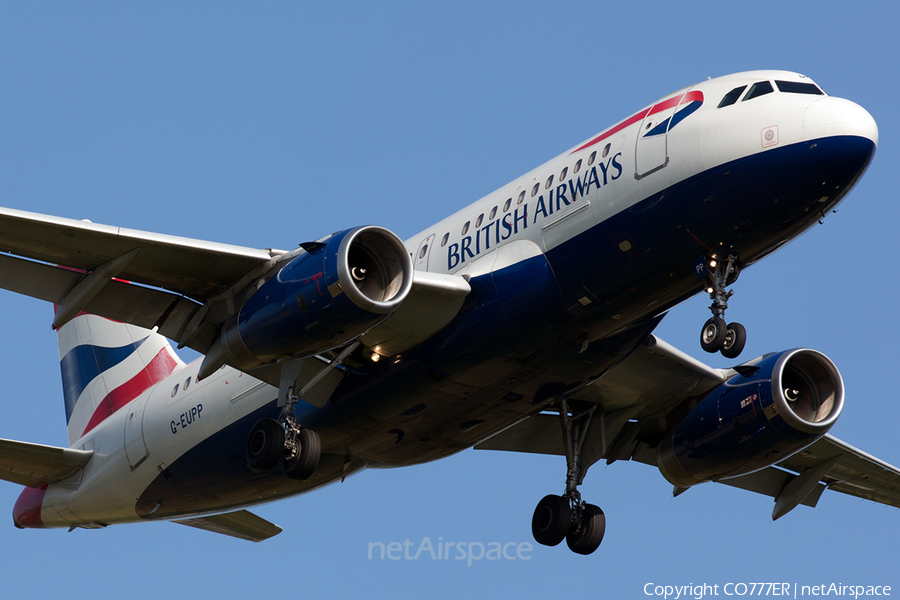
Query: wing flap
point(36, 465)
point(856, 473)
point(241, 524)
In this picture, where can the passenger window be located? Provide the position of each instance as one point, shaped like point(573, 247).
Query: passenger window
point(732, 96)
point(592, 157)
point(465, 228)
point(506, 204)
point(796, 87)
point(493, 213)
point(445, 240)
point(606, 150)
point(760, 88)
point(480, 219)
point(535, 189)
point(174, 390)
point(577, 166)
point(423, 251)
point(562, 174)
point(549, 183)
point(521, 197)
point(187, 382)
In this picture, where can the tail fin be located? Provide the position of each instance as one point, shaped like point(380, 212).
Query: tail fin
point(105, 365)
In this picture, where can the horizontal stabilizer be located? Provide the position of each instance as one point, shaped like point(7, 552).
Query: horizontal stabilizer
point(36, 465)
point(241, 524)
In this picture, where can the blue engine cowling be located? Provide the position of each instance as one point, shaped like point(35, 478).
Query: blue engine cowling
point(337, 290)
point(755, 420)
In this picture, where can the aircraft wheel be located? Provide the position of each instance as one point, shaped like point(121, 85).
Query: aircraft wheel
point(712, 336)
point(735, 338)
point(588, 538)
point(551, 520)
point(265, 445)
point(310, 451)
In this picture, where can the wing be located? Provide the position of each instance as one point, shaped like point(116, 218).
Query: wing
point(193, 283)
point(656, 379)
point(36, 465)
point(186, 289)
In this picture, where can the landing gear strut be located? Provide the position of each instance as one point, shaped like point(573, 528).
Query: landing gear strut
point(568, 517)
point(716, 336)
point(284, 439)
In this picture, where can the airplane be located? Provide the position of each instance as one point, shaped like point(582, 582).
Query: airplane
point(523, 323)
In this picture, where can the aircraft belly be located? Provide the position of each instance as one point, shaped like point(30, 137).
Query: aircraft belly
point(517, 341)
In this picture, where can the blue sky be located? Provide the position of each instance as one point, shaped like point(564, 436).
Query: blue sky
point(270, 124)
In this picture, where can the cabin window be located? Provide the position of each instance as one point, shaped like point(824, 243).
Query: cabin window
point(606, 150)
point(187, 382)
point(480, 219)
point(577, 166)
point(445, 239)
point(592, 157)
point(549, 183)
point(797, 87)
point(174, 390)
point(732, 96)
point(521, 197)
point(562, 174)
point(760, 88)
point(506, 204)
point(535, 189)
point(465, 228)
point(423, 251)
point(493, 213)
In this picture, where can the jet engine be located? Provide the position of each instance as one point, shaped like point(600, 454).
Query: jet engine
point(334, 292)
point(761, 416)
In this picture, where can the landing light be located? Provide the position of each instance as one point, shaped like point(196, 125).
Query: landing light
point(712, 264)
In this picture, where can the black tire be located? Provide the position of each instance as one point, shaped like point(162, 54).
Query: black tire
point(712, 336)
point(551, 520)
point(588, 538)
point(265, 444)
point(735, 339)
point(310, 452)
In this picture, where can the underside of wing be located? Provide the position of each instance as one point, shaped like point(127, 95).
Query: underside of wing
point(645, 401)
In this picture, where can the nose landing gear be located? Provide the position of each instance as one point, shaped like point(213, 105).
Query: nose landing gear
point(568, 517)
point(716, 336)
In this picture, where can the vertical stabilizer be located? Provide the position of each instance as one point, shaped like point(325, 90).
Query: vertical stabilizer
point(105, 365)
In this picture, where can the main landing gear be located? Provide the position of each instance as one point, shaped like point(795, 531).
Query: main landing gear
point(568, 517)
point(296, 447)
point(716, 336)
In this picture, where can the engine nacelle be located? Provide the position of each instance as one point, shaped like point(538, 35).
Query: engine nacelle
point(339, 289)
point(755, 420)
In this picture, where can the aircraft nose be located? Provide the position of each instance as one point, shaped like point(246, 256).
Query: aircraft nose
point(828, 117)
point(27, 511)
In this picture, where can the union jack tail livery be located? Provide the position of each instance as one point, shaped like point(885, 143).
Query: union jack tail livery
point(105, 365)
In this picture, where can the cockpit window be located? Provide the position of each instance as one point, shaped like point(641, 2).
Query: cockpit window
point(796, 87)
point(732, 96)
point(760, 88)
